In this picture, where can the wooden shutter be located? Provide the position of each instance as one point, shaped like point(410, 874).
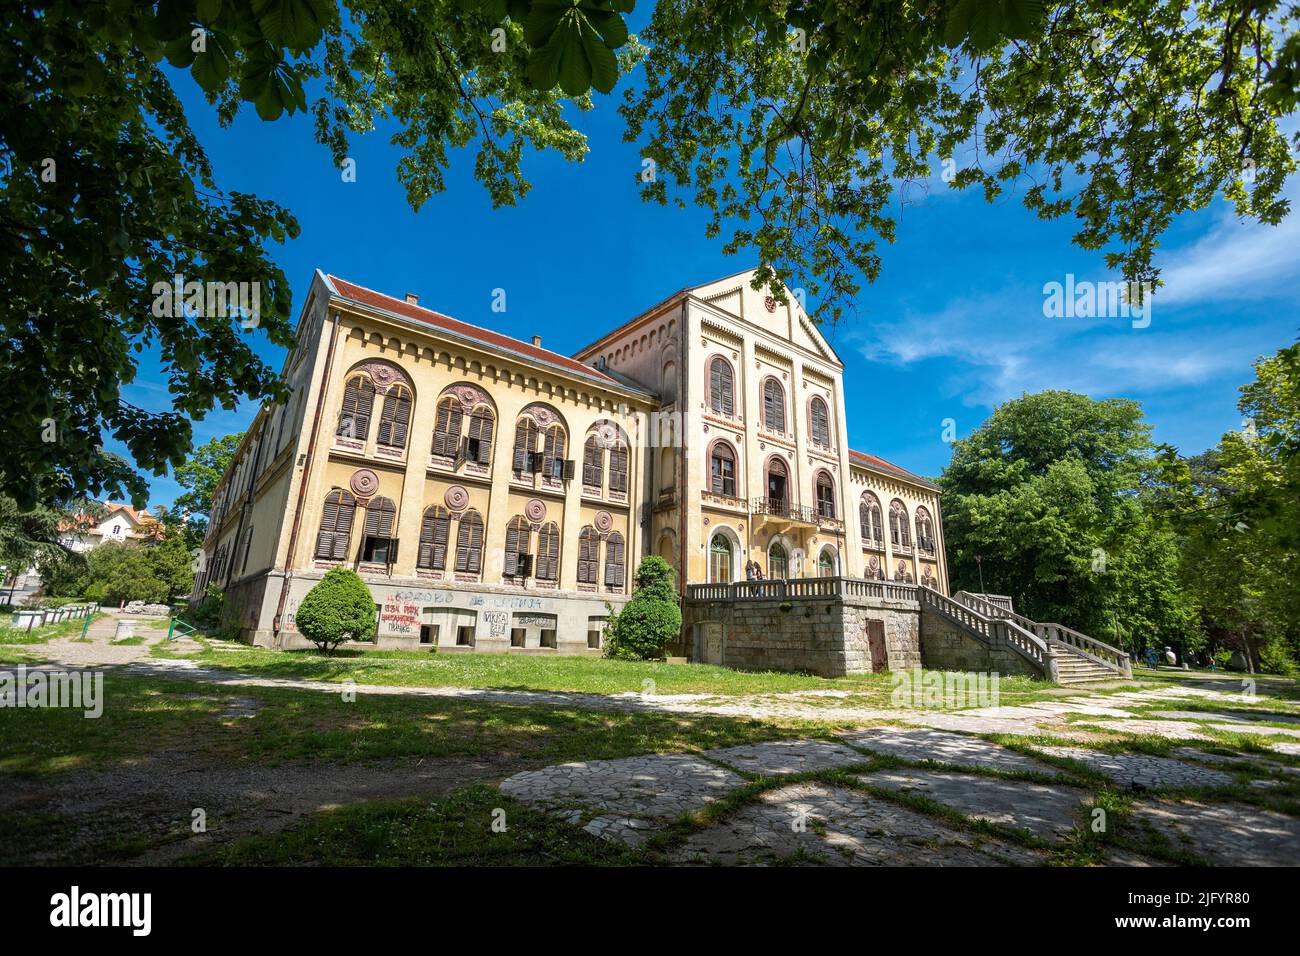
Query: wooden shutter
point(864, 519)
point(588, 555)
point(525, 443)
point(821, 427)
point(343, 526)
point(446, 428)
point(554, 447)
point(773, 407)
point(469, 543)
point(720, 387)
point(618, 468)
point(480, 427)
point(395, 417)
point(433, 538)
point(328, 521)
point(614, 561)
point(516, 541)
point(358, 404)
point(548, 552)
point(592, 455)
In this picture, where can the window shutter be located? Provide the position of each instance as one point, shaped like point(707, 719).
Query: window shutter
point(446, 428)
point(441, 529)
point(513, 533)
point(821, 428)
point(554, 447)
point(328, 522)
point(358, 404)
point(614, 561)
point(343, 525)
point(591, 463)
point(588, 550)
point(525, 437)
point(476, 545)
point(395, 417)
point(480, 427)
point(618, 468)
point(433, 538)
point(548, 552)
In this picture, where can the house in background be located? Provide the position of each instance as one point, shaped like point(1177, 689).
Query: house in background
point(120, 523)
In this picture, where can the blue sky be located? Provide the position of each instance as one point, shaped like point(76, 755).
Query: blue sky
point(953, 326)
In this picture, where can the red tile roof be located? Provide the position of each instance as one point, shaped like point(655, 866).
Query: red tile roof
point(437, 320)
point(871, 461)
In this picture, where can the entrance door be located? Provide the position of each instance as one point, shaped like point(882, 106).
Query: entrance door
point(711, 638)
point(876, 646)
point(776, 487)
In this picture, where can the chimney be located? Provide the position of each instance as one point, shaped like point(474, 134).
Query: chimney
point(537, 340)
point(412, 298)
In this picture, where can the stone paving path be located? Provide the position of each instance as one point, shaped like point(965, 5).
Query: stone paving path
point(1234, 834)
point(920, 745)
point(1140, 771)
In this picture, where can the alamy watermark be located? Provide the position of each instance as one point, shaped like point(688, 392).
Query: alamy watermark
point(1098, 300)
point(943, 690)
point(41, 688)
point(212, 300)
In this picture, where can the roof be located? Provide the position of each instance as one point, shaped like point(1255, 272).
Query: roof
point(409, 310)
point(84, 521)
point(879, 464)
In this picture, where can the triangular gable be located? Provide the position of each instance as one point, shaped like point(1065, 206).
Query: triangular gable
point(734, 294)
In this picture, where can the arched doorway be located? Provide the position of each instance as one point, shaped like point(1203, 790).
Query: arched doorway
point(778, 562)
point(826, 563)
point(720, 560)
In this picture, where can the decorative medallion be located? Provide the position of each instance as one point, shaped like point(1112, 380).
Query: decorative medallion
point(364, 483)
point(535, 510)
point(607, 434)
point(382, 374)
point(604, 521)
point(770, 304)
point(468, 395)
point(541, 414)
point(456, 497)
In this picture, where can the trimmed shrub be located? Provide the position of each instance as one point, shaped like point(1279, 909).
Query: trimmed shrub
point(651, 619)
point(340, 608)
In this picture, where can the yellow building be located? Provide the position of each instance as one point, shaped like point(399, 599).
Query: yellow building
point(496, 495)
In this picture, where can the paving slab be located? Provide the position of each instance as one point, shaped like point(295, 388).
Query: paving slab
point(635, 794)
point(1231, 834)
point(1169, 729)
point(1256, 729)
point(1139, 771)
point(1239, 717)
point(780, 757)
point(840, 827)
point(1049, 812)
point(917, 744)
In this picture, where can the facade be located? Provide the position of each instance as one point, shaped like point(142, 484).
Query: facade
point(120, 523)
point(497, 496)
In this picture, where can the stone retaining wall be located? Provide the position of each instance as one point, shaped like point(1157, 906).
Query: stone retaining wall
point(824, 636)
point(945, 646)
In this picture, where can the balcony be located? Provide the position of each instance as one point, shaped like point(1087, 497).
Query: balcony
point(780, 510)
point(722, 501)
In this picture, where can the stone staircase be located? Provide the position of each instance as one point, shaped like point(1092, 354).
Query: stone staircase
point(1075, 658)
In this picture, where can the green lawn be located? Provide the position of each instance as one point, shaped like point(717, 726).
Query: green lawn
point(593, 675)
point(40, 635)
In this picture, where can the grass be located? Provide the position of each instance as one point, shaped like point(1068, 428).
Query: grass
point(41, 635)
point(593, 675)
point(464, 828)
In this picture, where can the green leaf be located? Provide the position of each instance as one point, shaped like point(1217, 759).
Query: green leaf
point(295, 24)
point(603, 63)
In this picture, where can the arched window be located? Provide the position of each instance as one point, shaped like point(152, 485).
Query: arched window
point(722, 470)
point(395, 417)
point(924, 530)
point(588, 555)
point(469, 543)
point(667, 469)
point(777, 490)
point(826, 563)
point(526, 446)
point(825, 495)
point(618, 456)
point(778, 562)
point(335, 527)
point(548, 552)
point(434, 532)
point(820, 423)
point(358, 405)
point(479, 445)
point(899, 533)
point(518, 533)
point(720, 559)
point(379, 547)
point(614, 565)
point(774, 407)
point(593, 462)
point(870, 518)
point(446, 427)
point(722, 395)
point(553, 459)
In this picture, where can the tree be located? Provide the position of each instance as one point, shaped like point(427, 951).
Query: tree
point(201, 472)
point(1048, 502)
point(33, 538)
point(790, 123)
point(117, 572)
point(339, 608)
point(794, 124)
point(651, 619)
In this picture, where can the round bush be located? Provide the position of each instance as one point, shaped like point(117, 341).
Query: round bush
point(651, 619)
point(339, 608)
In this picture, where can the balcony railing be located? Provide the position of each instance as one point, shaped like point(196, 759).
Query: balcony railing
point(726, 501)
point(780, 508)
point(783, 589)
